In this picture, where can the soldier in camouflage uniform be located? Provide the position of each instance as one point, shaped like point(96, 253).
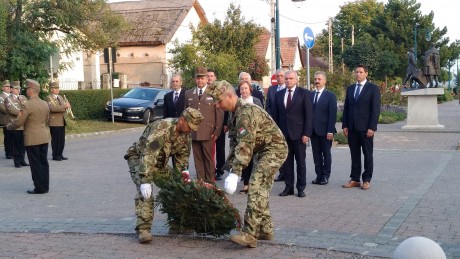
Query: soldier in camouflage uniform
point(256, 135)
point(148, 158)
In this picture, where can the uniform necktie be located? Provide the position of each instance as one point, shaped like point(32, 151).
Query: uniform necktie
point(200, 93)
point(289, 99)
point(59, 100)
point(358, 89)
point(176, 96)
point(316, 98)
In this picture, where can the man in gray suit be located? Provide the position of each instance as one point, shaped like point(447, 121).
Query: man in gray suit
point(203, 140)
point(34, 116)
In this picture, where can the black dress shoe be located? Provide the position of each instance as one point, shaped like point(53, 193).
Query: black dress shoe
point(17, 165)
point(218, 177)
point(34, 192)
point(24, 163)
point(9, 157)
point(287, 192)
point(316, 181)
point(324, 181)
point(64, 158)
point(301, 194)
point(57, 159)
point(280, 178)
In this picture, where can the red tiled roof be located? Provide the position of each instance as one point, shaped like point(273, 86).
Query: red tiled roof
point(289, 47)
point(262, 44)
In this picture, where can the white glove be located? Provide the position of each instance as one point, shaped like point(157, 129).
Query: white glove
point(230, 183)
point(146, 190)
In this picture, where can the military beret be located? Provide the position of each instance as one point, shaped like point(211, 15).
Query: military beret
point(201, 71)
point(54, 84)
point(30, 83)
point(217, 88)
point(16, 85)
point(6, 83)
point(193, 117)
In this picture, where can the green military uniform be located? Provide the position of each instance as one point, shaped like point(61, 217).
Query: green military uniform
point(149, 158)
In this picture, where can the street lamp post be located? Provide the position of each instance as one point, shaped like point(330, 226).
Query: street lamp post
point(415, 40)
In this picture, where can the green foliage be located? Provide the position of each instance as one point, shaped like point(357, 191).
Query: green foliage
point(336, 82)
point(389, 117)
point(89, 104)
point(340, 138)
point(225, 46)
point(339, 117)
point(196, 205)
point(446, 97)
point(362, 53)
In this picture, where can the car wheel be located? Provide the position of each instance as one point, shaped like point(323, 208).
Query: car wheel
point(147, 116)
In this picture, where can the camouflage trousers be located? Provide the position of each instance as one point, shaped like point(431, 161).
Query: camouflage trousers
point(257, 217)
point(143, 207)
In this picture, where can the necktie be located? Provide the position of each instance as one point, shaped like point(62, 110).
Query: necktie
point(59, 100)
point(358, 89)
point(289, 99)
point(316, 98)
point(200, 93)
point(176, 96)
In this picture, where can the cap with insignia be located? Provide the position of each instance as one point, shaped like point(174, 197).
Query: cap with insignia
point(6, 83)
point(16, 85)
point(201, 71)
point(54, 84)
point(30, 83)
point(193, 117)
point(217, 88)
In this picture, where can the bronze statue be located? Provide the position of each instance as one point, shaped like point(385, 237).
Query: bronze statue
point(411, 68)
point(432, 67)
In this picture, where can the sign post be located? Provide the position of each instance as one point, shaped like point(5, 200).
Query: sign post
point(309, 40)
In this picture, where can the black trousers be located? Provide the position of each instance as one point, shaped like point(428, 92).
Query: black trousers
point(38, 160)
point(7, 142)
point(220, 151)
point(57, 140)
point(357, 140)
point(298, 151)
point(321, 148)
point(19, 151)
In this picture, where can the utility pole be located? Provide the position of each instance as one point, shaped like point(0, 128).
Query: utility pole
point(352, 35)
point(273, 37)
point(331, 62)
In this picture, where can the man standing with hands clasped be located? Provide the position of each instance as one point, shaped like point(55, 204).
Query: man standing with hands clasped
point(361, 112)
point(256, 135)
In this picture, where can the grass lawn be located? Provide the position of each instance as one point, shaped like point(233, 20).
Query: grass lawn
point(87, 126)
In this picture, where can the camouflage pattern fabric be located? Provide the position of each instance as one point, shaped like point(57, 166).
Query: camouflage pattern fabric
point(257, 135)
point(149, 157)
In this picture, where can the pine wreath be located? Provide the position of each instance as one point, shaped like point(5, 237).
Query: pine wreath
point(197, 205)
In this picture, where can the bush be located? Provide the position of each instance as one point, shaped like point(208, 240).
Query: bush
point(340, 138)
point(446, 97)
point(89, 104)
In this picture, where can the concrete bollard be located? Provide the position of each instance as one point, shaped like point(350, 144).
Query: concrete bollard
point(420, 248)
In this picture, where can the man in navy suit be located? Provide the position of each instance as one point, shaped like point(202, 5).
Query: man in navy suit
point(360, 118)
point(324, 117)
point(174, 101)
point(270, 102)
point(293, 112)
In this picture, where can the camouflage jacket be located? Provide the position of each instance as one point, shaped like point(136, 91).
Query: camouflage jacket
point(256, 132)
point(159, 142)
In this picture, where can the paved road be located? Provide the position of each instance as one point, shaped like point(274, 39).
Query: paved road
point(89, 210)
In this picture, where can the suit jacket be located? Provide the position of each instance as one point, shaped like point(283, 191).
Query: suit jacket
point(35, 118)
point(4, 117)
point(297, 120)
point(213, 117)
point(57, 109)
point(171, 109)
point(270, 102)
point(362, 114)
point(14, 105)
point(324, 113)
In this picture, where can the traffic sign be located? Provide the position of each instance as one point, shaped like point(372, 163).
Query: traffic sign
point(308, 37)
point(273, 80)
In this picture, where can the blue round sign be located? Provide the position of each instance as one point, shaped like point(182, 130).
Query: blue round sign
point(308, 37)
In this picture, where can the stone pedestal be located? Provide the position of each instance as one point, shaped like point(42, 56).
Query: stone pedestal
point(422, 110)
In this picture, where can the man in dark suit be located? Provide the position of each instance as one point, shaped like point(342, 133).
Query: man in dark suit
point(203, 140)
point(294, 115)
point(324, 117)
point(270, 102)
point(361, 112)
point(35, 117)
point(175, 100)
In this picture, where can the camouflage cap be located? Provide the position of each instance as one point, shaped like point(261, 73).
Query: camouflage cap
point(16, 85)
point(54, 84)
point(217, 88)
point(30, 83)
point(193, 117)
point(6, 83)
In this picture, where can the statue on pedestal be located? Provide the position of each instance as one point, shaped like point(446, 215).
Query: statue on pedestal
point(431, 70)
point(432, 67)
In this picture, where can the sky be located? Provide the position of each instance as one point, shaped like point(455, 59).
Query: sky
point(294, 17)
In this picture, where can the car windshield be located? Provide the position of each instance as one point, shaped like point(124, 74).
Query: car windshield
point(141, 93)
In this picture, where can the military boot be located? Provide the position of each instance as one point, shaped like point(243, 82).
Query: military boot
point(266, 236)
point(244, 239)
point(144, 236)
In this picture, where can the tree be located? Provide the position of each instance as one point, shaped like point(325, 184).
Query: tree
point(37, 29)
point(227, 47)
